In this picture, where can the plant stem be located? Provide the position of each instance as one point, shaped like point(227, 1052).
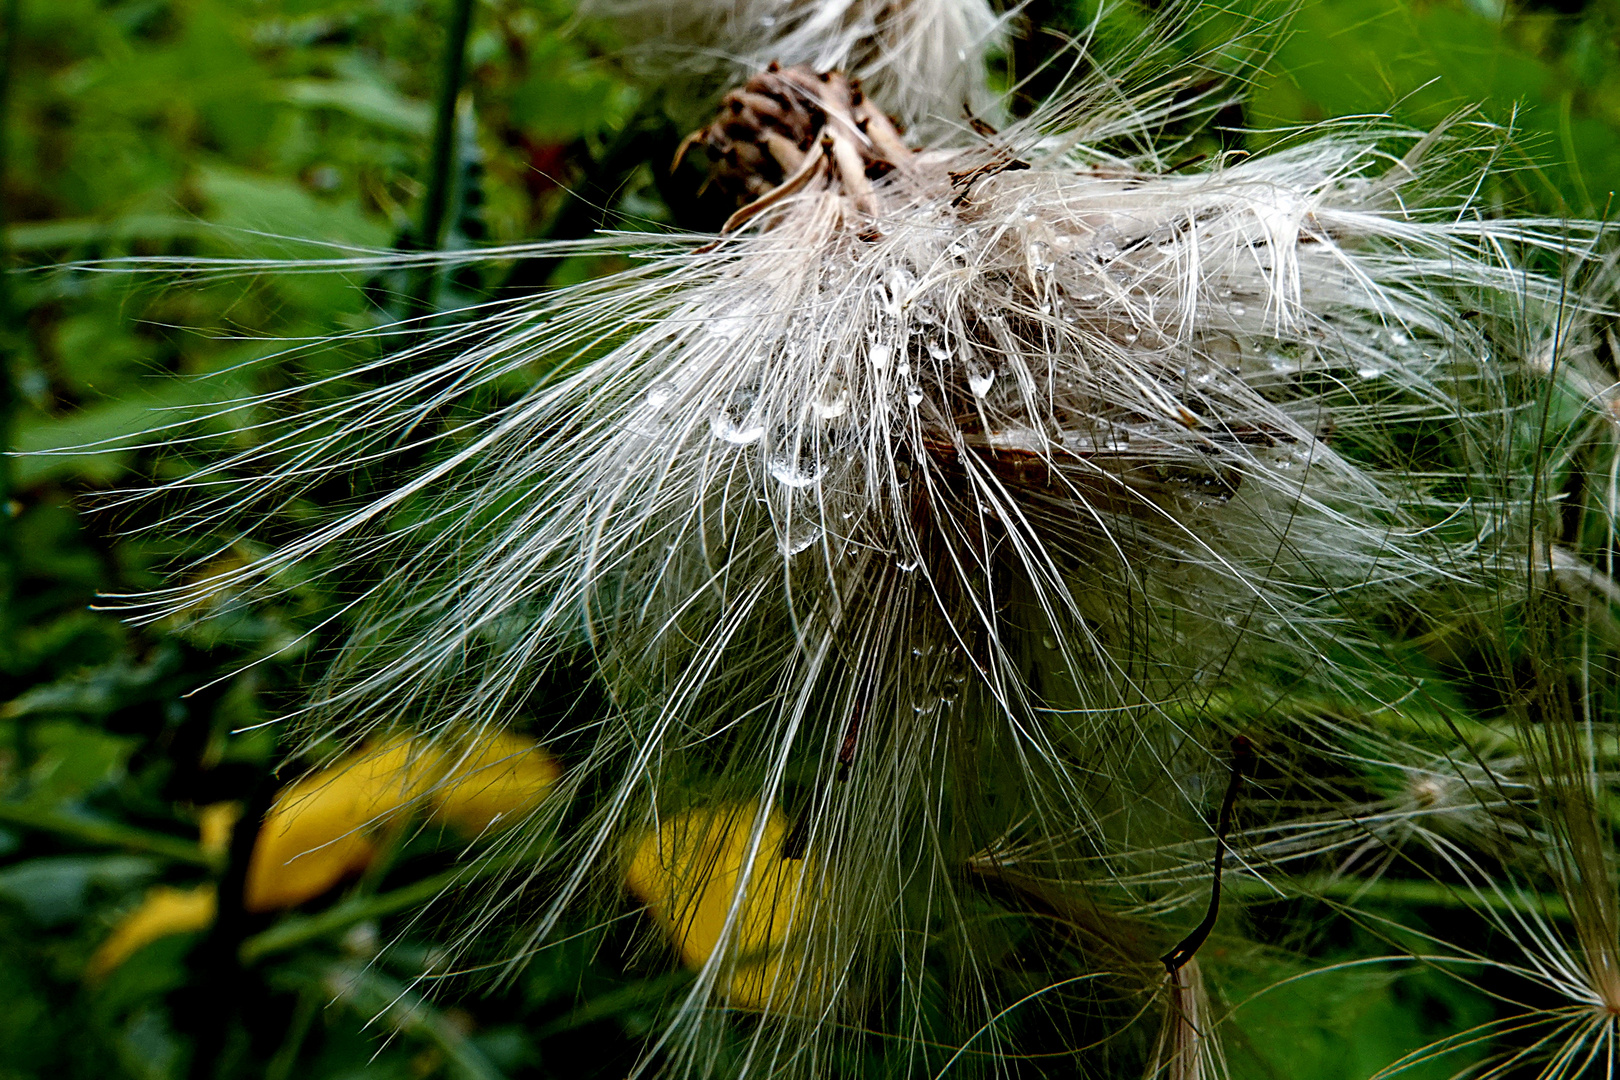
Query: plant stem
point(286, 1057)
point(376, 997)
point(292, 932)
point(586, 207)
point(218, 992)
point(1401, 891)
point(452, 71)
point(109, 833)
point(645, 992)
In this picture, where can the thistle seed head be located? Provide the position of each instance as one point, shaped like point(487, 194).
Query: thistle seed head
point(924, 506)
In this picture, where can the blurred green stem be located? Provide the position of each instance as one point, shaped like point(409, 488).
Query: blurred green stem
point(309, 1003)
point(292, 932)
point(1405, 892)
point(606, 1006)
point(587, 206)
point(108, 833)
point(452, 70)
point(379, 998)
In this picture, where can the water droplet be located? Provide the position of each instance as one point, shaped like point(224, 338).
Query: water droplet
point(659, 394)
point(1369, 373)
point(799, 538)
point(914, 396)
point(786, 469)
point(732, 327)
point(767, 21)
point(738, 432)
point(902, 471)
point(903, 369)
point(831, 410)
point(1397, 338)
point(879, 355)
point(1238, 311)
point(1049, 641)
point(906, 564)
point(937, 349)
point(980, 382)
point(1130, 337)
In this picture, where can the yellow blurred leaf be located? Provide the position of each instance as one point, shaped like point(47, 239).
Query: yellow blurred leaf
point(214, 825)
point(495, 782)
point(689, 874)
point(318, 832)
point(321, 829)
point(164, 911)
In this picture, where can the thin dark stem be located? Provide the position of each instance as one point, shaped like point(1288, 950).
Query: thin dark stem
point(442, 161)
point(218, 992)
point(1176, 958)
point(453, 70)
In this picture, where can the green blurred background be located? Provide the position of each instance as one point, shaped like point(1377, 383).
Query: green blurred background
point(217, 127)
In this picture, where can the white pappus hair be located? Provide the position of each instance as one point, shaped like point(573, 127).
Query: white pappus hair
point(942, 467)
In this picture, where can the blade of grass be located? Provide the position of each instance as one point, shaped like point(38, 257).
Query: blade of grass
point(96, 831)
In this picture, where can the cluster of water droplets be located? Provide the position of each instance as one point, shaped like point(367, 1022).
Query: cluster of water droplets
point(1390, 349)
point(945, 670)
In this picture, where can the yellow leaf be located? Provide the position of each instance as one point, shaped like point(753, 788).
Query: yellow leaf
point(318, 832)
point(164, 911)
point(214, 825)
point(495, 782)
point(688, 876)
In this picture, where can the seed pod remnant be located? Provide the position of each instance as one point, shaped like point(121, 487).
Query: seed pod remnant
point(925, 506)
point(922, 60)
